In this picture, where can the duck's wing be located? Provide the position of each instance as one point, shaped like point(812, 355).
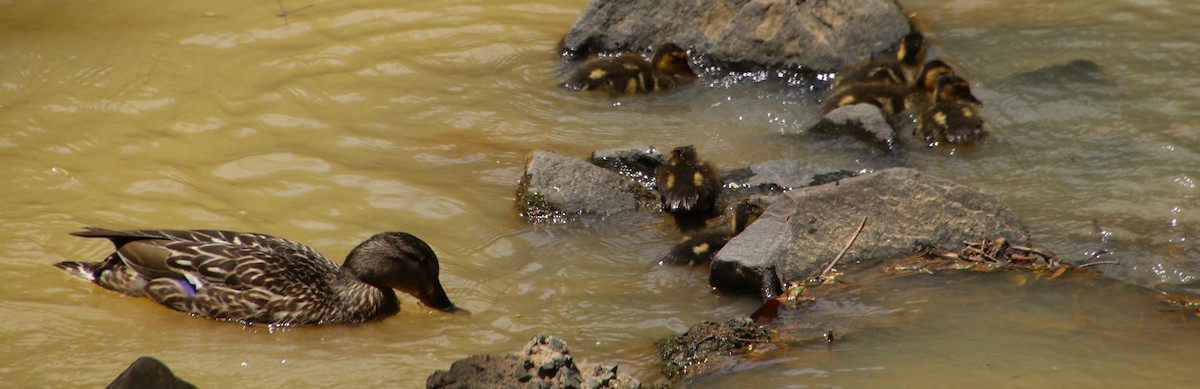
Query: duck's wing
point(236, 259)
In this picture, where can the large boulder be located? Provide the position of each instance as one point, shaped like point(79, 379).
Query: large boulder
point(905, 211)
point(544, 363)
point(817, 35)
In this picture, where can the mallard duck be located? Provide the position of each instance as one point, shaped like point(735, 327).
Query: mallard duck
point(903, 70)
point(700, 248)
point(630, 73)
point(686, 184)
point(256, 278)
point(952, 116)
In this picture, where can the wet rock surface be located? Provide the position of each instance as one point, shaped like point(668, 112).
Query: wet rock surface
point(147, 372)
point(544, 363)
point(862, 121)
point(820, 35)
point(905, 210)
point(556, 188)
point(709, 347)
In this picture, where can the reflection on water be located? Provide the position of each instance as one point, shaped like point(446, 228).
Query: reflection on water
point(348, 119)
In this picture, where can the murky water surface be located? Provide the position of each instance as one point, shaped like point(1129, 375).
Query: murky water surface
point(348, 118)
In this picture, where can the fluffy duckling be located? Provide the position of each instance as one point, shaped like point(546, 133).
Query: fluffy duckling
point(903, 70)
point(630, 73)
point(686, 185)
point(884, 84)
point(925, 89)
point(890, 98)
point(255, 278)
point(952, 117)
point(700, 249)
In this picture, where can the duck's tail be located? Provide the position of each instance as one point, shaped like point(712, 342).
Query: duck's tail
point(110, 273)
point(84, 270)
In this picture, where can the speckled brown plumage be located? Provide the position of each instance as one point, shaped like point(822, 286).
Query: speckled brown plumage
point(256, 278)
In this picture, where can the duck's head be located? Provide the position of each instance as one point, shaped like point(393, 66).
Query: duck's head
point(403, 262)
point(930, 74)
point(671, 59)
point(683, 154)
point(953, 88)
point(911, 51)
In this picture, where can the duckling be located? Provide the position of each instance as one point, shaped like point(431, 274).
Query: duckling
point(700, 249)
point(926, 87)
point(256, 278)
point(630, 73)
point(952, 117)
point(687, 185)
point(910, 54)
point(890, 98)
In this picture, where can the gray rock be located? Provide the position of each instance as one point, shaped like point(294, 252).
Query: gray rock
point(147, 372)
point(543, 363)
point(906, 210)
point(555, 187)
point(634, 162)
point(863, 121)
point(789, 173)
point(820, 35)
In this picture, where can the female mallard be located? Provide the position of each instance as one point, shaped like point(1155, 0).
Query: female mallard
point(255, 278)
point(630, 73)
point(952, 116)
point(700, 249)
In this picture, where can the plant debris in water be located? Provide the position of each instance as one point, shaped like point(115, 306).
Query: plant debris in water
point(983, 256)
point(1182, 303)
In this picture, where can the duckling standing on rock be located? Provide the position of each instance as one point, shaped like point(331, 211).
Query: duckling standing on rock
point(255, 278)
point(688, 187)
point(952, 117)
point(700, 249)
point(630, 73)
point(686, 184)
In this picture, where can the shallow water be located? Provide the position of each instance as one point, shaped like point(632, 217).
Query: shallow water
point(346, 119)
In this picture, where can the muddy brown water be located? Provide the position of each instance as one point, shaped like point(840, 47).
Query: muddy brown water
point(349, 118)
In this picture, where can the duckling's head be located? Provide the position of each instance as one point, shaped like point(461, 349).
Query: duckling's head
point(683, 154)
point(672, 60)
point(403, 262)
point(953, 88)
point(911, 51)
point(933, 71)
point(744, 213)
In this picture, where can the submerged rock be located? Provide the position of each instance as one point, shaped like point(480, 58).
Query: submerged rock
point(544, 363)
point(819, 35)
point(147, 372)
point(906, 211)
point(709, 347)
